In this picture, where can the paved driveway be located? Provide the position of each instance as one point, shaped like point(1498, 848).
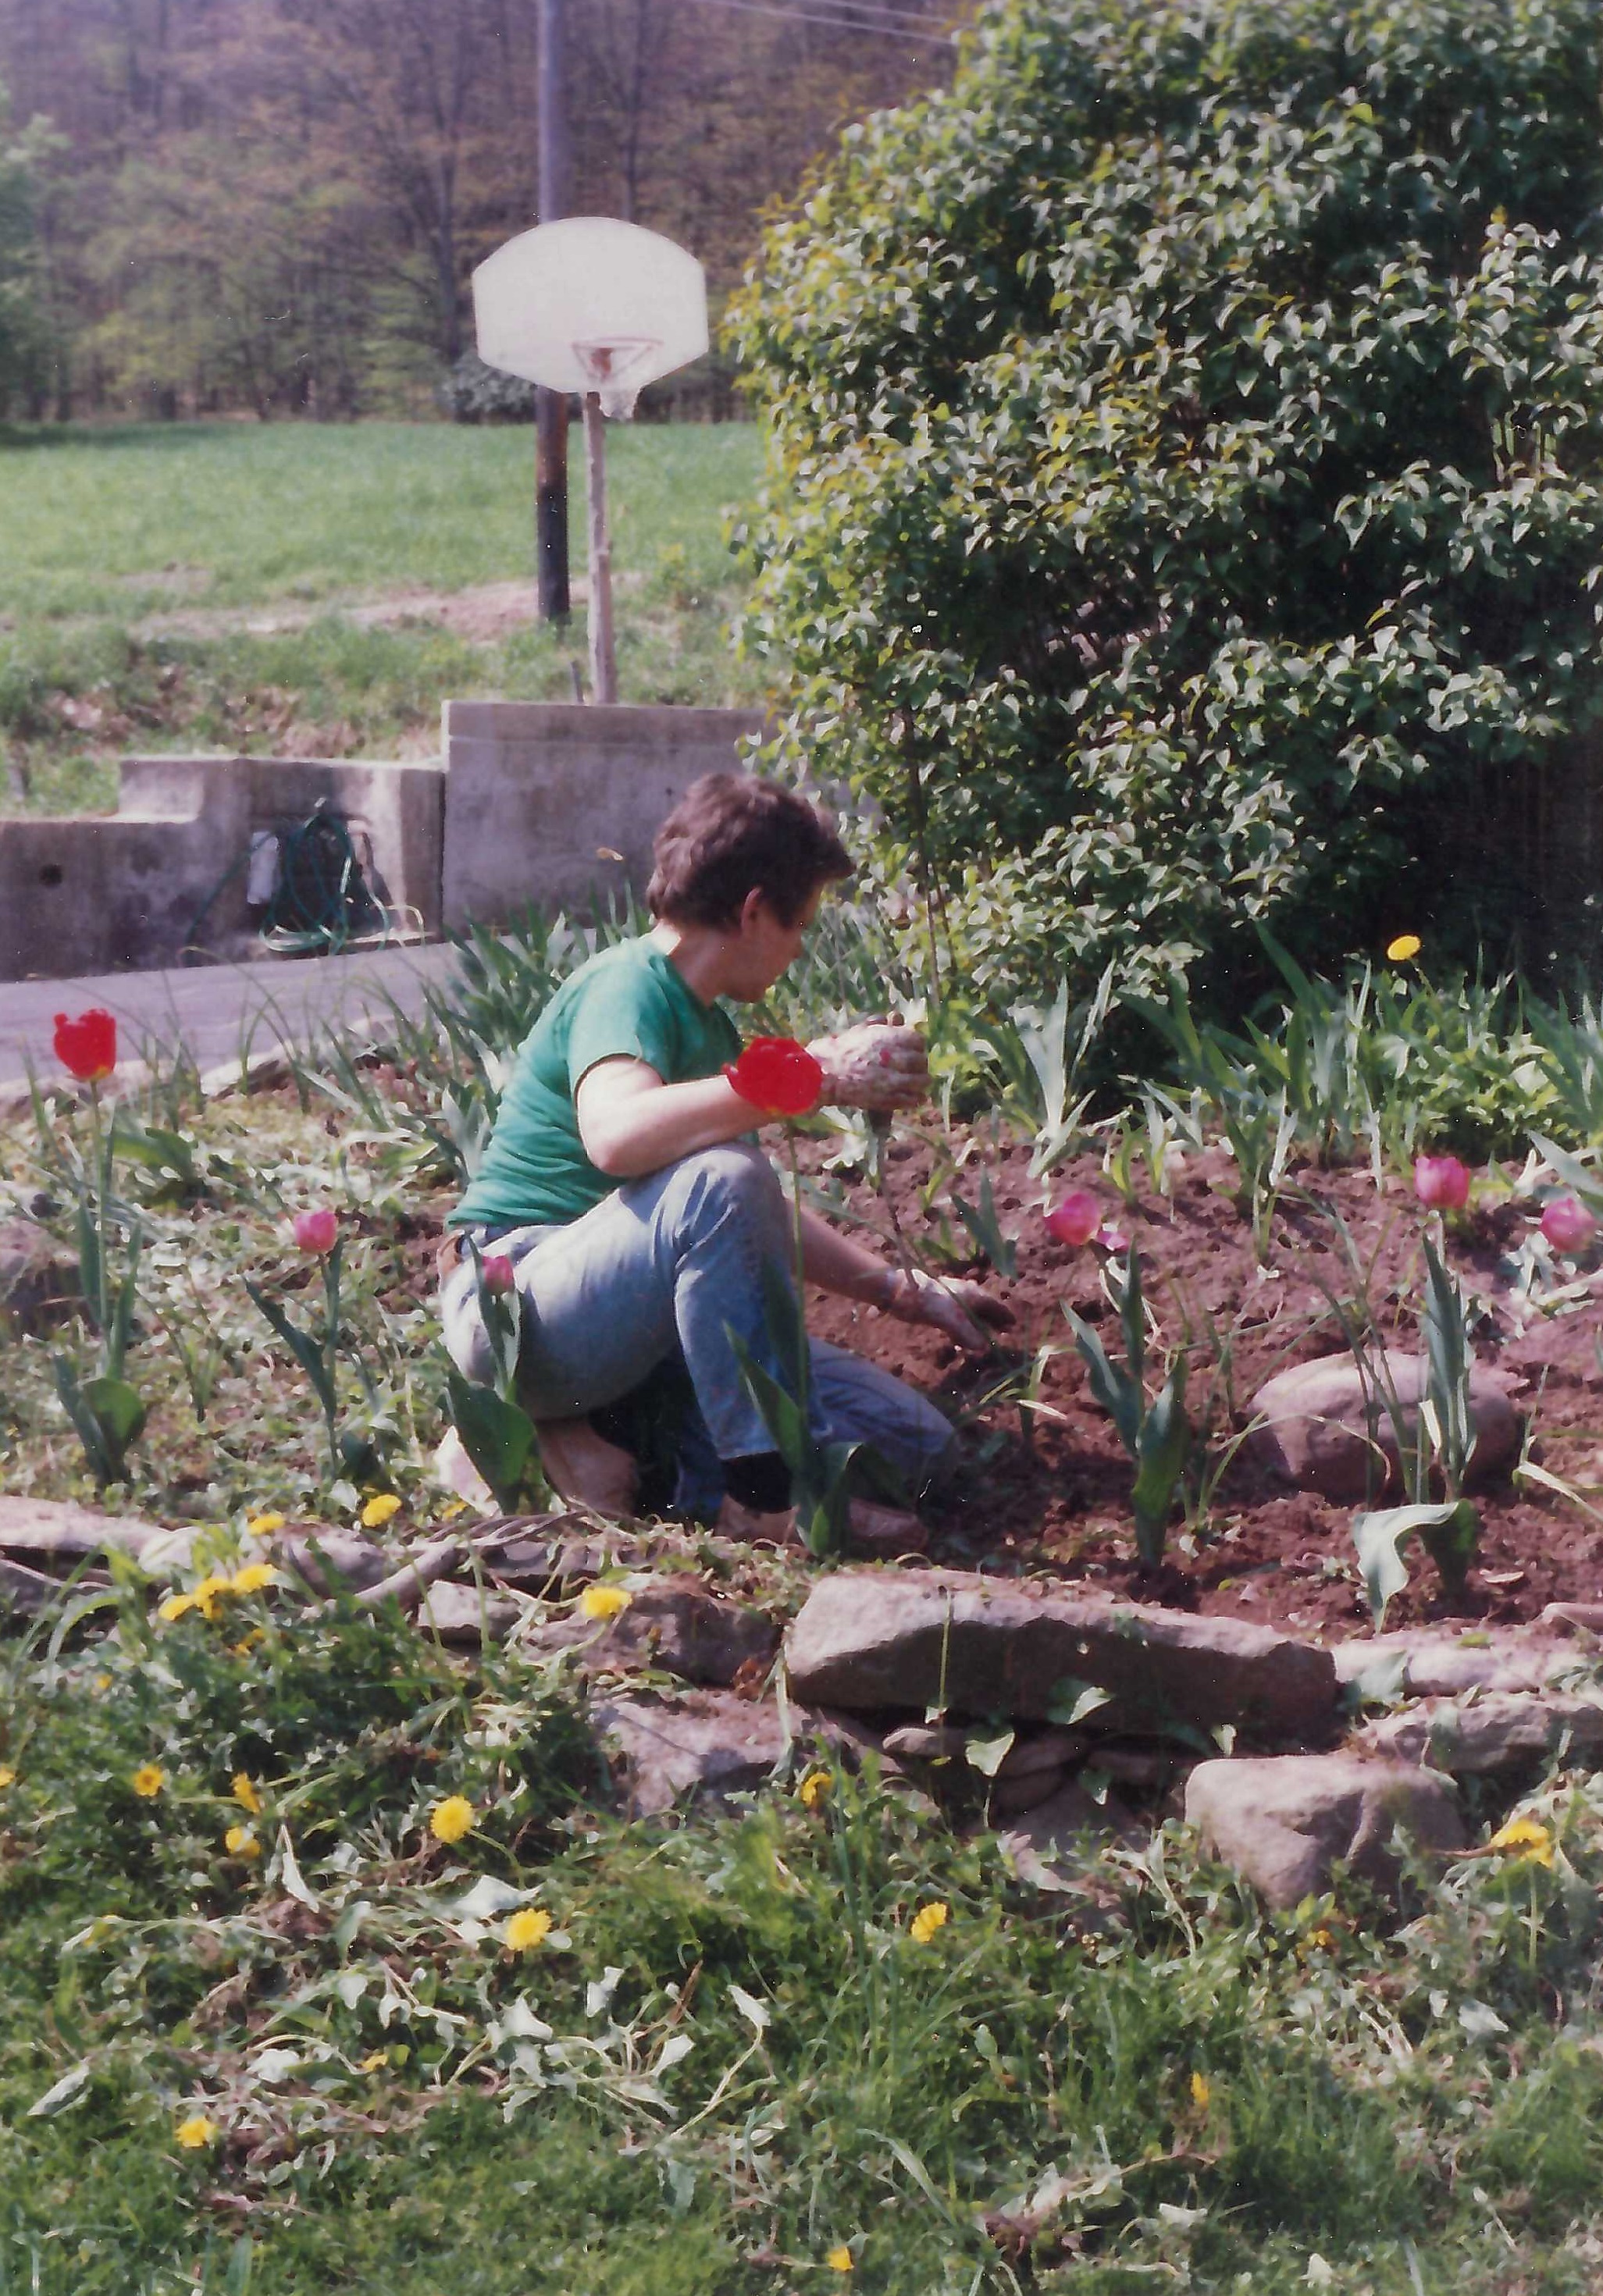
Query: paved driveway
point(221, 1013)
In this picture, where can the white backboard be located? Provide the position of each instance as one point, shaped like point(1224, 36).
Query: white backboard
point(589, 299)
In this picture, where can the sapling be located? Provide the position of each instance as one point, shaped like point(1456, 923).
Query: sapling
point(1154, 1431)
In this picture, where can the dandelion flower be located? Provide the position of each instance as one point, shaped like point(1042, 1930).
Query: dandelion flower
point(245, 1792)
point(175, 1606)
point(526, 1930)
point(240, 1842)
point(205, 1596)
point(263, 1526)
point(814, 1787)
point(376, 2061)
point(1525, 1839)
point(1406, 945)
point(8, 1777)
point(379, 1510)
point(928, 1920)
point(148, 1781)
point(1202, 2091)
point(196, 2133)
point(451, 1818)
point(602, 1602)
point(839, 2259)
point(253, 1579)
point(103, 1682)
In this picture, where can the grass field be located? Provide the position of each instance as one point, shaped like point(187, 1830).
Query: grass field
point(134, 555)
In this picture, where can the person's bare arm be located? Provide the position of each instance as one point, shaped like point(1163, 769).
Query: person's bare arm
point(964, 1311)
point(630, 1122)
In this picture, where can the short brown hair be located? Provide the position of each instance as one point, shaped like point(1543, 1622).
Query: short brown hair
point(731, 835)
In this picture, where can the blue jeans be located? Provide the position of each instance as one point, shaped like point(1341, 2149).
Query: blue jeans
point(667, 1267)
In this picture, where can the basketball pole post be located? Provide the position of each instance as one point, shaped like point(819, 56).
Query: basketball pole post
point(551, 601)
point(604, 665)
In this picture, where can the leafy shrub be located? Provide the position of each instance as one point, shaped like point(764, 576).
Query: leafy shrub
point(1184, 465)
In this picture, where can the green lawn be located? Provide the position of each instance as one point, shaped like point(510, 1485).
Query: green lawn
point(107, 529)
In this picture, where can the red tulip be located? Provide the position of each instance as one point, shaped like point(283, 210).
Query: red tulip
point(779, 1076)
point(316, 1231)
point(1076, 1220)
point(1567, 1224)
point(498, 1274)
point(1442, 1183)
point(87, 1047)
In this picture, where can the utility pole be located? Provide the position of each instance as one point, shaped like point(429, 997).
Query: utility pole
point(551, 406)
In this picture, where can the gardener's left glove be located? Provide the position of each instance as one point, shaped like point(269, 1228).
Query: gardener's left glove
point(961, 1309)
point(878, 1064)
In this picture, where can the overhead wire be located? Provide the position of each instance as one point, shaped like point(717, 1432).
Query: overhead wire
point(860, 20)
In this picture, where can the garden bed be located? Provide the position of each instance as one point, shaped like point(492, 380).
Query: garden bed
point(1056, 1498)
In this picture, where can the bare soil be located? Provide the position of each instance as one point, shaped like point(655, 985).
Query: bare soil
point(1049, 1491)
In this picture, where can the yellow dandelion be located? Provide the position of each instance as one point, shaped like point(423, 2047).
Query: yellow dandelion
point(246, 1643)
point(928, 1920)
point(245, 1792)
point(8, 1777)
point(205, 1596)
point(1323, 1939)
point(376, 2061)
point(451, 1818)
point(253, 1577)
point(240, 1842)
point(103, 1682)
point(1525, 1839)
point(1202, 2091)
point(263, 1526)
point(1406, 945)
point(526, 1930)
point(379, 1510)
point(196, 2133)
point(175, 1606)
point(602, 1602)
point(839, 2259)
point(814, 1787)
point(148, 1781)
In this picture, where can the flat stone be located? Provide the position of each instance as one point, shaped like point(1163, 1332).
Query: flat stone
point(1425, 1665)
point(51, 1530)
point(1012, 1797)
point(1066, 1827)
point(673, 1624)
point(708, 1743)
point(40, 1281)
point(50, 1534)
point(1323, 1425)
point(27, 1594)
point(976, 1645)
point(1573, 1618)
point(1285, 1823)
point(463, 1615)
point(1490, 1733)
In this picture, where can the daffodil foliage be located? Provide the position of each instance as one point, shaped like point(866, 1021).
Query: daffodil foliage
point(1183, 485)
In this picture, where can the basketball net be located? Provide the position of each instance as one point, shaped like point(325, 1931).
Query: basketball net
point(606, 366)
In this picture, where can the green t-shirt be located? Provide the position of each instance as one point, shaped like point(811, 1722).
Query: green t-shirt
point(629, 1001)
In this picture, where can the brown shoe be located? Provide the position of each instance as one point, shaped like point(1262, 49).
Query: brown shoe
point(585, 1469)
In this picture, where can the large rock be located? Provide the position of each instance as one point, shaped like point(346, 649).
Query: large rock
point(1425, 1665)
point(976, 1645)
point(466, 1615)
point(1285, 1823)
point(39, 1281)
point(674, 1625)
point(1327, 1431)
point(707, 1742)
point(1492, 1733)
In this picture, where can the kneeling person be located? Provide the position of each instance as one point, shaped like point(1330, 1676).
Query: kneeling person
point(620, 1182)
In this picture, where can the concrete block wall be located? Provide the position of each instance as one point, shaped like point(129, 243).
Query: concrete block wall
point(558, 802)
point(92, 894)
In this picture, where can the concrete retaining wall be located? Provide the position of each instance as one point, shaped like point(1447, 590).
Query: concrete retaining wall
point(557, 802)
point(97, 894)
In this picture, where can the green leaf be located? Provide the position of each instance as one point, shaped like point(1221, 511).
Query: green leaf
point(1450, 1532)
point(987, 1755)
point(497, 1434)
point(1073, 1702)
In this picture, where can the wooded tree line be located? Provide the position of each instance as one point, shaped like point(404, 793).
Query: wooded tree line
point(276, 205)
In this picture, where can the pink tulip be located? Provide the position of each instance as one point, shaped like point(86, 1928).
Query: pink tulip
point(497, 1273)
point(1567, 1224)
point(1109, 1238)
point(316, 1231)
point(1442, 1183)
point(1075, 1220)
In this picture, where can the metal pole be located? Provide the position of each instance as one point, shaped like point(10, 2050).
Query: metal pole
point(603, 667)
point(551, 406)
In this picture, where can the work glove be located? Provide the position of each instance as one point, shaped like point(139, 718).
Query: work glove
point(961, 1309)
point(877, 1065)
